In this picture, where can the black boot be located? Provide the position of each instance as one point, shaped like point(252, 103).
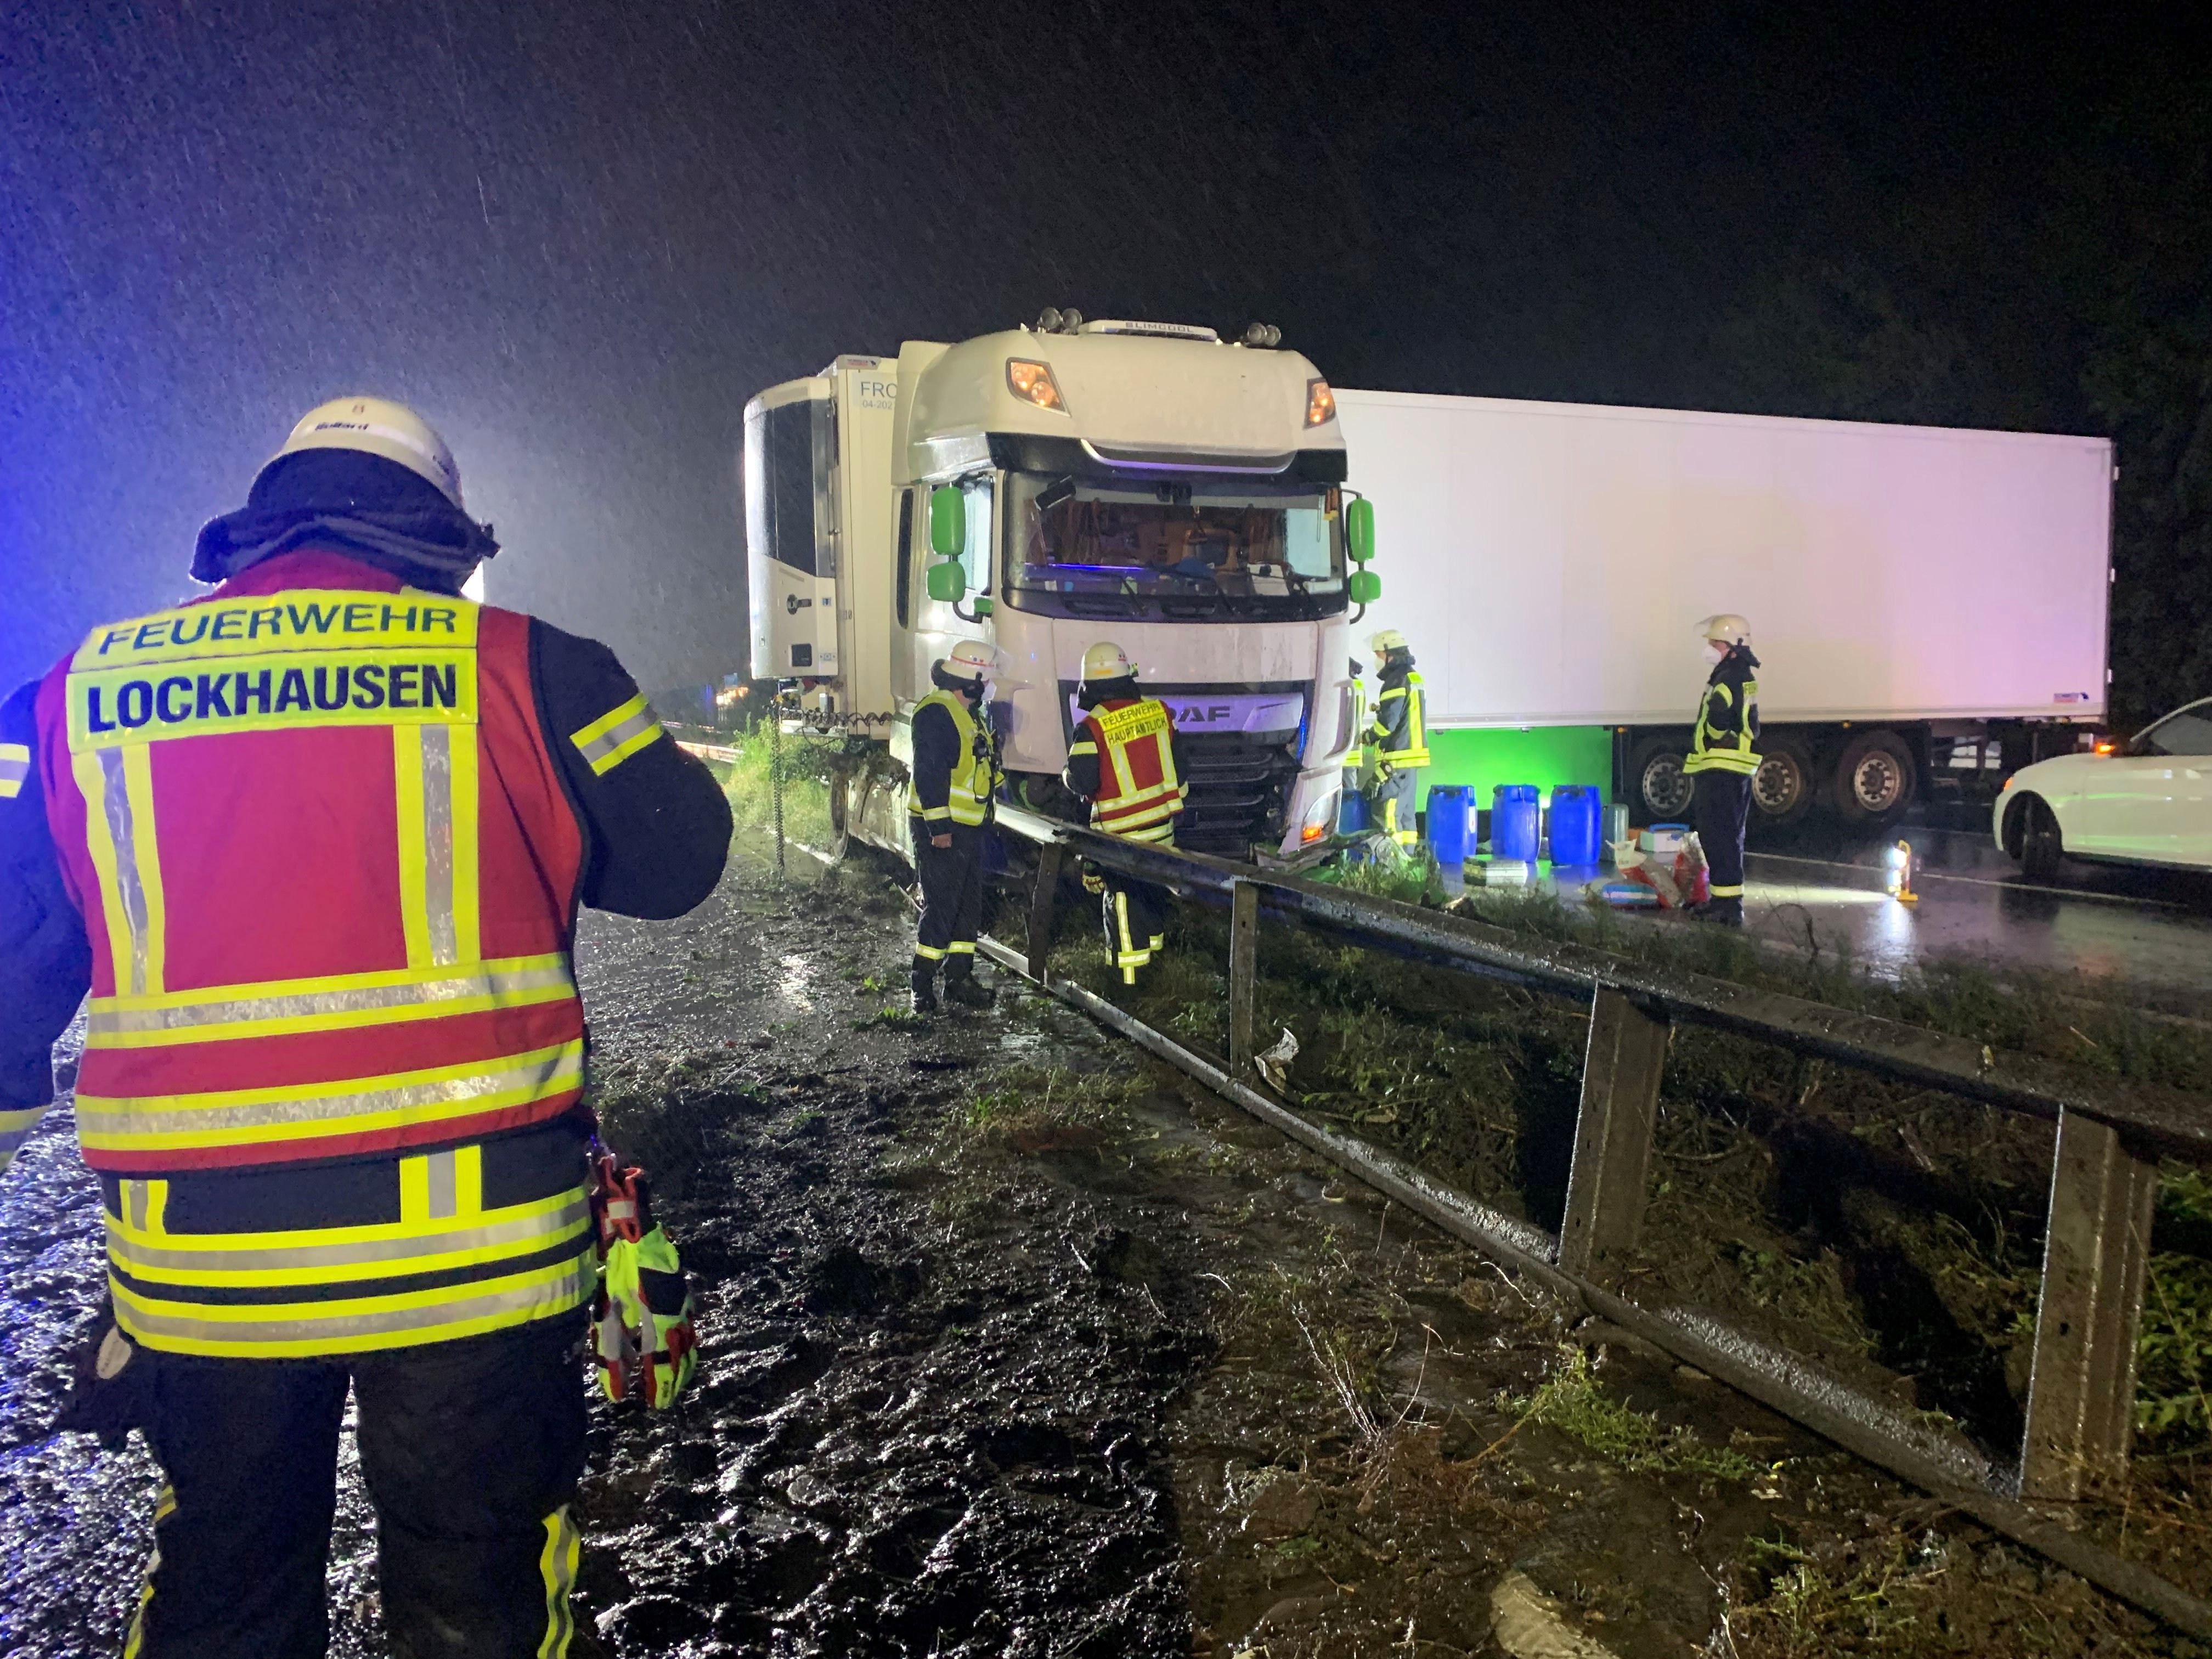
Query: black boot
point(925, 987)
point(1727, 912)
point(960, 985)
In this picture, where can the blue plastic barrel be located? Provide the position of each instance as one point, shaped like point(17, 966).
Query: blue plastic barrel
point(1576, 812)
point(1351, 813)
point(1448, 815)
point(1515, 822)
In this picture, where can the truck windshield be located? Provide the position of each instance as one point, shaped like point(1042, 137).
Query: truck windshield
point(1172, 550)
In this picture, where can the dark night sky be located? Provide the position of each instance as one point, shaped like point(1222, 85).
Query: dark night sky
point(579, 236)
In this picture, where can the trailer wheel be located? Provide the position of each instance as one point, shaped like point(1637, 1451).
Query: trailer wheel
point(1783, 789)
point(1661, 789)
point(1874, 780)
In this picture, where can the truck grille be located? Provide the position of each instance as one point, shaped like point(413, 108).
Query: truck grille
point(1237, 789)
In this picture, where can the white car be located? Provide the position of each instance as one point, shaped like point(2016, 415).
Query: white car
point(2145, 801)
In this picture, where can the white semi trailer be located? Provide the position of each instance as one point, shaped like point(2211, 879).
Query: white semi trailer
point(1045, 489)
point(1928, 604)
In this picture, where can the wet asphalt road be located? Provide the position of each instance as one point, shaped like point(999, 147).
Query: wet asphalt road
point(2143, 928)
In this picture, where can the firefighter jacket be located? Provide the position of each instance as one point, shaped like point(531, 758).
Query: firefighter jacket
point(1727, 735)
point(315, 845)
point(1122, 760)
point(1400, 732)
point(956, 763)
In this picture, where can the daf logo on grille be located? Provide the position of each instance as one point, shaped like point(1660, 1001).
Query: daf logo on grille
point(1204, 714)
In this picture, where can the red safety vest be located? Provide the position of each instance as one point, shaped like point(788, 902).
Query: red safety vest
point(1138, 793)
point(328, 871)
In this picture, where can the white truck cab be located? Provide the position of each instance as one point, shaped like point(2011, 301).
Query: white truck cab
point(1045, 489)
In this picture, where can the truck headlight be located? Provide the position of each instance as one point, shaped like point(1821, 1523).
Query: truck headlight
point(1321, 816)
point(1321, 403)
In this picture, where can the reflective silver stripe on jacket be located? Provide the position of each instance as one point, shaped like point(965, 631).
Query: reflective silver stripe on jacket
point(15, 767)
point(177, 1253)
point(125, 1117)
point(603, 746)
point(488, 981)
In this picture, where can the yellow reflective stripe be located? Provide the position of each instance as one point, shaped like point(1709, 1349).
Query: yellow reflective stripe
point(921, 811)
point(556, 1566)
point(1083, 748)
point(928, 952)
point(356, 1324)
point(616, 735)
point(1718, 891)
point(286, 1007)
point(17, 1126)
point(239, 1117)
point(961, 947)
point(462, 751)
point(15, 767)
point(408, 783)
point(117, 795)
point(434, 776)
point(298, 619)
point(338, 1254)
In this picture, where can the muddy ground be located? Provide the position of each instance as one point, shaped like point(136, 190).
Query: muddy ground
point(1014, 1343)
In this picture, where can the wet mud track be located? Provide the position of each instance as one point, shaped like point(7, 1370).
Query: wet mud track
point(1013, 1344)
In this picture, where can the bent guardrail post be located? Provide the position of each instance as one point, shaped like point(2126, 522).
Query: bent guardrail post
point(1243, 970)
point(1609, 1182)
point(2096, 1251)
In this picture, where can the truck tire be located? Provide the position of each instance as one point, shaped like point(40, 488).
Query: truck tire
point(2035, 836)
point(1658, 788)
point(1783, 789)
point(1874, 781)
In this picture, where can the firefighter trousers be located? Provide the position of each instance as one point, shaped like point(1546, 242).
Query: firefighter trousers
point(1722, 805)
point(1136, 916)
point(952, 900)
point(1396, 794)
point(472, 1450)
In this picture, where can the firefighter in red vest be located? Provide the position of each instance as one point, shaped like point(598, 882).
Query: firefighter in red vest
point(1123, 761)
point(315, 846)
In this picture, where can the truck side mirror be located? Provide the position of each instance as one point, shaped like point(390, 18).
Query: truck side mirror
point(1363, 588)
point(1360, 532)
point(948, 580)
point(948, 526)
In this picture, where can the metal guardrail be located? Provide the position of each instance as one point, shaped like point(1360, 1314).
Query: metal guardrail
point(2103, 1178)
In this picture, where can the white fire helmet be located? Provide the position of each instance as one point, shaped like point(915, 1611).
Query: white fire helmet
point(1726, 628)
point(972, 660)
point(1106, 661)
point(377, 425)
point(1388, 640)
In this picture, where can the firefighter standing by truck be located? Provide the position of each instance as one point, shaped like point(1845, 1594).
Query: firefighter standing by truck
point(955, 779)
point(1123, 760)
point(315, 845)
point(1724, 758)
point(1399, 736)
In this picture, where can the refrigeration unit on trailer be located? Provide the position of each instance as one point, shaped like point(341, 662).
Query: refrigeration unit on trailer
point(1044, 489)
point(1929, 605)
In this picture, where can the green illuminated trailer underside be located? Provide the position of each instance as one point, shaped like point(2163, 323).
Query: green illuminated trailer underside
point(1545, 756)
